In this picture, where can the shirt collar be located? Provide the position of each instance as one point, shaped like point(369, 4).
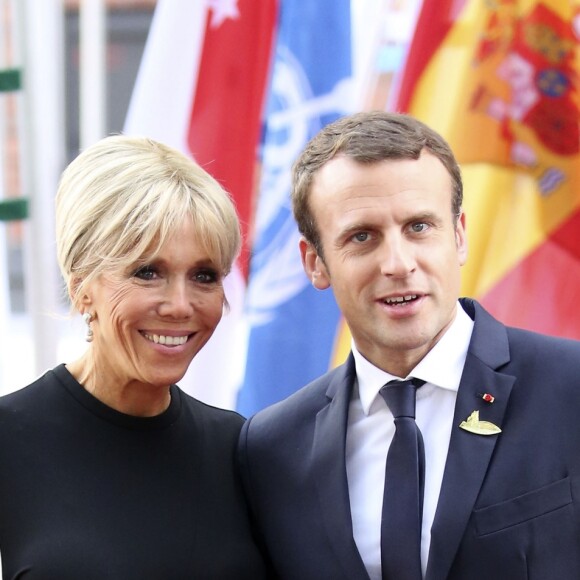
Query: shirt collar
point(452, 348)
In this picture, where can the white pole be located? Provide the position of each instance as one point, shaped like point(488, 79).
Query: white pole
point(92, 40)
point(41, 38)
point(367, 21)
point(4, 285)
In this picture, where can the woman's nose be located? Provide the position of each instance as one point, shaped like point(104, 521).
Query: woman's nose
point(177, 300)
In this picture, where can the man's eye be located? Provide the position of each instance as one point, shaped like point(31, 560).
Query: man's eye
point(145, 273)
point(419, 227)
point(361, 237)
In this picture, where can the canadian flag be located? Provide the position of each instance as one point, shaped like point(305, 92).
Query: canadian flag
point(201, 88)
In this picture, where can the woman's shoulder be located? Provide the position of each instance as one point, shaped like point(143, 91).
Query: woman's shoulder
point(24, 412)
point(23, 397)
point(210, 414)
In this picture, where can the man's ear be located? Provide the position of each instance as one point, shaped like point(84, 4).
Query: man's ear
point(461, 239)
point(314, 265)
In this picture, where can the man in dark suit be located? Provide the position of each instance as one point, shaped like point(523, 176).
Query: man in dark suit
point(378, 200)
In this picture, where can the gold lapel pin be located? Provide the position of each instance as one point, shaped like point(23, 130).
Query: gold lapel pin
point(474, 425)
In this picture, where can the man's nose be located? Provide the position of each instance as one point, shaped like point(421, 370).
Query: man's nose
point(397, 257)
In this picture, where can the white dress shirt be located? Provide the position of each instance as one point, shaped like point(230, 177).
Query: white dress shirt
point(371, 428)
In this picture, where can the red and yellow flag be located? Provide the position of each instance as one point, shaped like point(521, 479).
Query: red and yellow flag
point(499, 80)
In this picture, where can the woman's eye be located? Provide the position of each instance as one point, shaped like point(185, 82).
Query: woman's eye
point(206, 276)
point(145, 273)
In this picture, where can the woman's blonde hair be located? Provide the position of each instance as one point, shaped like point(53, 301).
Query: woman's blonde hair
point(121, 198)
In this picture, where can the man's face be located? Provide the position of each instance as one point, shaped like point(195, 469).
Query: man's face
point(392, 254)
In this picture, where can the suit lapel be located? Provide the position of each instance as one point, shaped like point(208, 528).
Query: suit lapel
point(328, 455)
point(469, 454)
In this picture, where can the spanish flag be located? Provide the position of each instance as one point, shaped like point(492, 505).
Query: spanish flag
point(499, 80)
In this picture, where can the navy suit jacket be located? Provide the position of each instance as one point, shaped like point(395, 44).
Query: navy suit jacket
point(509, 503)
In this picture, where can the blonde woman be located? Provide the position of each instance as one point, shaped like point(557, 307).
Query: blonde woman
point(108, 469)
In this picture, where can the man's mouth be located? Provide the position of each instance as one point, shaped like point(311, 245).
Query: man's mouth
point(400, 300)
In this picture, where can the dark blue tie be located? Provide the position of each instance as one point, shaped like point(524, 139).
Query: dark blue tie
point(404, 482)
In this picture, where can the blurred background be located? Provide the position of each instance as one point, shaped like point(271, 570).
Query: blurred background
point(241, 85)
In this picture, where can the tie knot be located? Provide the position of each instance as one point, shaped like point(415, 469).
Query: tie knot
point(400, 396)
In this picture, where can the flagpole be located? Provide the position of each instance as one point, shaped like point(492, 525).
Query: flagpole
point(92, 73)
point(4, 285)
point(41, 138)
point(368, 23)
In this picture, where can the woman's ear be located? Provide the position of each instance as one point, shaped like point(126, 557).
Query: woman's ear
point(314, 265)
point(74, 286)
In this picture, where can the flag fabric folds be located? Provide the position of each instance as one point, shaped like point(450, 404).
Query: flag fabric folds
point(499, 80)
point(201, 88)
point(292, 327)
point(226, 117)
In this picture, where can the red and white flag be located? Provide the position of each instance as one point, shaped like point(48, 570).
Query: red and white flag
point(201, 88)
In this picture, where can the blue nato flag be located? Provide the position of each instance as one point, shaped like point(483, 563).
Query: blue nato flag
point(293, 327)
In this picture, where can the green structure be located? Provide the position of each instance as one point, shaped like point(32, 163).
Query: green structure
point(15, 208)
